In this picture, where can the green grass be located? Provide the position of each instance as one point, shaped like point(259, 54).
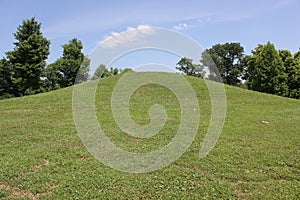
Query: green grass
point(42, 156)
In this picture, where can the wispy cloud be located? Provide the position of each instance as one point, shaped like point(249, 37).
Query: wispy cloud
point(75, 26)
point(117, 16)
point(131, 35)
point(283, 3)
point(180, 26)
point(213, 18)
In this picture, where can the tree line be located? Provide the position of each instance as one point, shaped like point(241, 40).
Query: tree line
point(266, 70)
point(23, 71)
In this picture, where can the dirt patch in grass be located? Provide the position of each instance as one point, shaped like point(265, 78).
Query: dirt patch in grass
point(17, 193)
point(36, 168)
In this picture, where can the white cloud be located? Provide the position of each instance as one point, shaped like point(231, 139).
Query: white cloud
point(212, 18)
point(181, 26)
point(129, 36)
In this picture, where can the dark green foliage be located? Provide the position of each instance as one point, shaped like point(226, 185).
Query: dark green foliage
point(52, 75)
point(70, 62)
point(28, 58)
point(6, 84)
point(102, 72)
point(114, 71)
point(187, 67)
point(123, 71)
point(227, 59)
point(266, 71)
point(292, 69)
point(72, 67)
point(83, 72)
point(23, 71)
point(297, 55)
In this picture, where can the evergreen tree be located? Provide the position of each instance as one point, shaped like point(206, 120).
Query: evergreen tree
point(28, 59)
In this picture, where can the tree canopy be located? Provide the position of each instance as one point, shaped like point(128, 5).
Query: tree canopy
point(6, 83)
point(72, 64)
point(102, 71)
point(187, 67)
point(292, 70)
point(266, 71)
point(69, 64)
point(227, 59)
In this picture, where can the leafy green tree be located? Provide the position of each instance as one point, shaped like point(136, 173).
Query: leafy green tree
point(266, 71)
point(83, 72)
point(102, 72)
point(123, 71)
point(52, 76)
point(114, 71)
point(6, 84)
point(70, 63)
point(292, 69)
point(225, 60)
point(187, 67)
point(297, 55)
point(28, 59)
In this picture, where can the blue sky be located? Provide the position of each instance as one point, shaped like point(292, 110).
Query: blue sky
point(207, 22)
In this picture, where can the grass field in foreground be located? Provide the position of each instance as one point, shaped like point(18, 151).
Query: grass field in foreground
point(42, 156)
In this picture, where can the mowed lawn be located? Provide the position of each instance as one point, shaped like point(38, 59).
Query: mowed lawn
point(256, 157)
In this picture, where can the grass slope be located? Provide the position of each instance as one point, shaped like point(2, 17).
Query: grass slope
point(42, 155)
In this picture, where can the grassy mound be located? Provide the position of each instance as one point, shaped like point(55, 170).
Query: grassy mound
point(256, 157)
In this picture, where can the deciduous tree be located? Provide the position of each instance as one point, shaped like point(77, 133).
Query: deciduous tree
point(6, 84)
point(292, 69)
point(69, 64)
point(187, 67)
point(224, 60)
point(102, 72)
point(266, 71)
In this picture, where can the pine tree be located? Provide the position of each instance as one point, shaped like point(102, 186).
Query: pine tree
point(28, 59)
